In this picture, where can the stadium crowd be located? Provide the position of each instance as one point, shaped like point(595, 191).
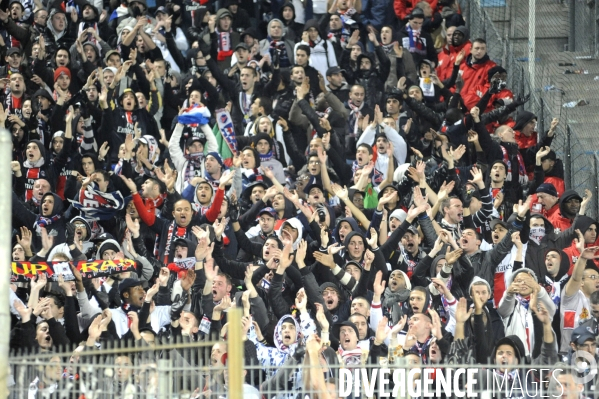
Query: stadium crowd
point(356, 175)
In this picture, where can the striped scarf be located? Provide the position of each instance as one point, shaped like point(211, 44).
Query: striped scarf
point(354, 117)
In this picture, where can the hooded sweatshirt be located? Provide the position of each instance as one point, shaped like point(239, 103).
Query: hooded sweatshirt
point(584, 223)
point(557, 218)
point(271, 358)
point(297, 225)
point(517, 317)
point(322, 52)
point(54, 223)
point(64, 248)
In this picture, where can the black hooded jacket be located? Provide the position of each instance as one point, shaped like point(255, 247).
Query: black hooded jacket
point(373, 80)
point(117, 123)
point(292, 30)
point(551, 283)
point(535, 253)
point(26, 218)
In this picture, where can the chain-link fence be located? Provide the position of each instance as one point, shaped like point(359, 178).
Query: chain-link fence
point(566, 82)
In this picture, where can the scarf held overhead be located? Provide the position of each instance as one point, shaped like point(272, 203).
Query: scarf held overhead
point(97, 205)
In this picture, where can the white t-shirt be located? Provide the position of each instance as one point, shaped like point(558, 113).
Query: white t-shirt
point(574, 311)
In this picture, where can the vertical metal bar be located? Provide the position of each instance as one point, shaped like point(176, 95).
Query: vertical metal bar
point(532, 38)
point(572, 21)
point(5, 260)
point(235, 354)
point(569, 184)
point(163, 378)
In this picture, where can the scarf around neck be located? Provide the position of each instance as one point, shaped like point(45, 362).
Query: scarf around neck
point(225, 48)
point(354, 116)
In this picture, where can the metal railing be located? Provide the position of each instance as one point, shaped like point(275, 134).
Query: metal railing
point(165, 372)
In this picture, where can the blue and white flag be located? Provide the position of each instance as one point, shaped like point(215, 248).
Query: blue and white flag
point(97, 205)
point(197, 113)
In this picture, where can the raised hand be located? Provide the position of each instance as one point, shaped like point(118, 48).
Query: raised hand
point(585, 201)
point(523, 207)
point(132, 225)
point(445, 190)
point(368, 259)
point(399, 326)
point(224, 304)
point(286, 257)
point(453, 256)
point(190, 278)
point(516, 239)
point(462, 313)
point(379, 284)
point(321, 318)
point(325, 259)
point(301, 300)
point(340, 192)
point(382, 330)
point(373, 240)
point(334, 249)
point(477, 177)
point(543, 151)
point(300, 254)
point(24, 239)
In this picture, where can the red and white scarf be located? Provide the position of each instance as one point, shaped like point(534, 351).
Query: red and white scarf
point(225, 49)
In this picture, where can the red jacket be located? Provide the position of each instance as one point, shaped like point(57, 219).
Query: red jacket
point(447, 59)
point(560, 222)
point(403, 8)
point(476, 80)
point(573, 254)
point(525, 141)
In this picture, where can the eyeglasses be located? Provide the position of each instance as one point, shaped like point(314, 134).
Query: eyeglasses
point(314, 162)
point(592, 277)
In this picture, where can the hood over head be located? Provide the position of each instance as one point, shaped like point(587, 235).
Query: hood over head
point(352, 222)
point(58, 204)
point(41, 147)
point(350, 235)
point(523, 118)
point(465, 31)
point(278, 336)
point(564, 265)
point(522, 270)
point(584, 223)
point(290, 5)
point(87, 226)
point(297, 225)
point(434, 265)
point(567, 196)
point(108, 244)
point(516, 343)
point(477, 279)
point(342, 297)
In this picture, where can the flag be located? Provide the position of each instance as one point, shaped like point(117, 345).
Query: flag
point(197, 113)
point(225, 135)
point(97, 205)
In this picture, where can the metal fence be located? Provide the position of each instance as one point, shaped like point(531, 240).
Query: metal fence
point(169, 372)
point(564, 65)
